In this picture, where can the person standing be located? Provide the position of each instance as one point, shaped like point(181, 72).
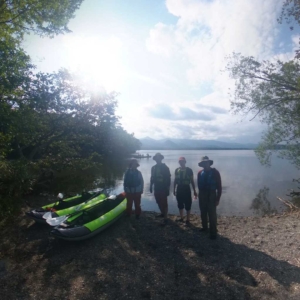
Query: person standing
point(133, 187)
point(210, 191)
point(184, 177)
point(161, 179)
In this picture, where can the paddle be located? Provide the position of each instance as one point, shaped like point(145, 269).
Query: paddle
point(48, 215)
point(58, 220)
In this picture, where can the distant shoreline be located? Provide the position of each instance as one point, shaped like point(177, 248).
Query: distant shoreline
point(210, 148)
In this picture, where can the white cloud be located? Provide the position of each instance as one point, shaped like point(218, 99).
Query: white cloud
point(204, 34)
point(207, 31)
point(161, 40)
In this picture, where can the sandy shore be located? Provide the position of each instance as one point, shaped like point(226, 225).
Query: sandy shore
point(253, 258)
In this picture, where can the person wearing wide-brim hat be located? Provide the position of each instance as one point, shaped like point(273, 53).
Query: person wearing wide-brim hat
point(133, 187)
point(210, 191)
point(184, 177)
point(161, 179)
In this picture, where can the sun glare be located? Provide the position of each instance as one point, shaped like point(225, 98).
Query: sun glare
point(98, 62)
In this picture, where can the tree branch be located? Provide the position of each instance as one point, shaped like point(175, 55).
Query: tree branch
point(273, 81)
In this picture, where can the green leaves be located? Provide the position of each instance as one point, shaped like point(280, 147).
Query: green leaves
point(42, 17)
point(271, 92)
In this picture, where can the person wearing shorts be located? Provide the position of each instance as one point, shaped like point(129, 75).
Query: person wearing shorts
point(184, 177)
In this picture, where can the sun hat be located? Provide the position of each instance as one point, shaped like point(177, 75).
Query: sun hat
point(133, 161)
point(181, 158)
point(158, 155)
point(205, 159)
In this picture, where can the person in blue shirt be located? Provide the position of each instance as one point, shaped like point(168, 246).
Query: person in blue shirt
point(133, 187)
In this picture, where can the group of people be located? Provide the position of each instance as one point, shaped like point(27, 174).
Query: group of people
point(209, 190)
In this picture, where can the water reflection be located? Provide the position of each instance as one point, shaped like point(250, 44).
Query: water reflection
point(261, 205)
point(79, 178)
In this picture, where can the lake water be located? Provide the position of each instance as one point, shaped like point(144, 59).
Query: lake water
point(248, 187)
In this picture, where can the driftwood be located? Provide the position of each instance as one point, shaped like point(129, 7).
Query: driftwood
point(288, 203)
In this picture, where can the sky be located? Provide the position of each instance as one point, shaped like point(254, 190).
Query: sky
point(165, 59)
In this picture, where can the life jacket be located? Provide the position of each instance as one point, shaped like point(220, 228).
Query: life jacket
point(183, 176)
point(132, 178)
point(157, 173)
point(207, 180)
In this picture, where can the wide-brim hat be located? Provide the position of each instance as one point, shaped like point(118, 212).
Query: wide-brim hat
point(204, 159)
point(132, 161)
point(158, 156)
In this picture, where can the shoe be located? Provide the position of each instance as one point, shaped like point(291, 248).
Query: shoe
point(164, 222)
point(180, 220)
point(203, 230)
point(137, 217)
point(187, 223)
point(213, 236)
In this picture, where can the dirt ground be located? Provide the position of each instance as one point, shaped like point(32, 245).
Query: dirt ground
point(253, 258)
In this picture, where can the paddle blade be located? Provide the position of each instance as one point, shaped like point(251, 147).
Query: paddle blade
point(56, 221)
point(47, 215)
point(60, 196)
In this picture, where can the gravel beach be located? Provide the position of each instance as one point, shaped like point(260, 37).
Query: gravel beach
point(253, 258)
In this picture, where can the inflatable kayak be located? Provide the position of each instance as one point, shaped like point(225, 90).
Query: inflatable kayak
point(89, 222)
point(63, 207)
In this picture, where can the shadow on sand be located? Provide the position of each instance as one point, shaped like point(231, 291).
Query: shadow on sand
point(142, 260)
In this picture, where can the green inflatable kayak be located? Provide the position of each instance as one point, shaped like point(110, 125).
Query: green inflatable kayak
point(90, 221)
point(63, 207)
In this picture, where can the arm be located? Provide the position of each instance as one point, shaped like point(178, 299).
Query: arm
point(151, 180)
point(175, 184)
point(142, 182)
point(125, 181)
point(168, 177)
point(168, 180)
point(198, 179)
point(193, 185)
point(219, 186)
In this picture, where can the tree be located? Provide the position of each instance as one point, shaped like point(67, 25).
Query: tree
point(52, 115)
point(42, 17)
point(290, 13)
point(271, 91)
point(48, 124)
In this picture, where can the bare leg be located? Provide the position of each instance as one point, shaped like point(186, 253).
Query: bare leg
point(181, 213)
point(188, 213)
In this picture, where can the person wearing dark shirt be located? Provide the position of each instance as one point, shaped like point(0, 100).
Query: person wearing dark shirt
point(133, 187)
point(161, 179)
point(210, 191)
point(184, 177)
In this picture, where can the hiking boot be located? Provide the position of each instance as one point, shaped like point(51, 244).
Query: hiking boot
point(164, 222)
point(203, 230)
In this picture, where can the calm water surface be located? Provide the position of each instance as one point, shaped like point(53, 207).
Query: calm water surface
point(248, 187)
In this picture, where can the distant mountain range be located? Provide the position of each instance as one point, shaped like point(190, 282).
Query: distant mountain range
point(177, 144)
